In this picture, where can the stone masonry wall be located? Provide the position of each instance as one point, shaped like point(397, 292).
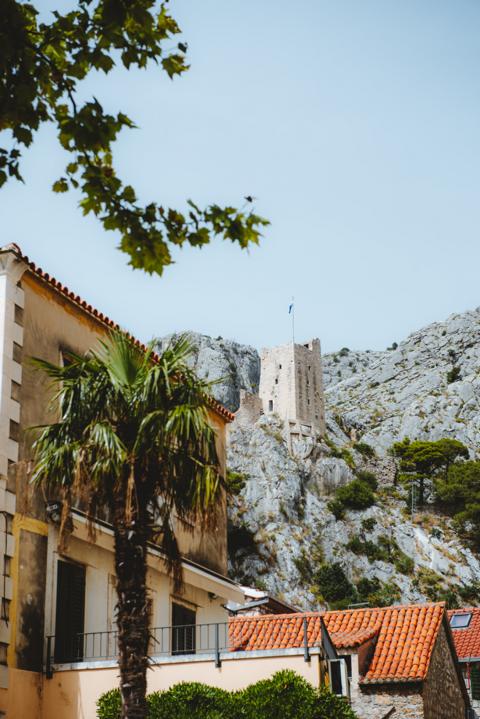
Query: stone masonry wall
point(309, 399)
point(277, 381)
point(376, 702)
point(442, 694)
point(291, 383)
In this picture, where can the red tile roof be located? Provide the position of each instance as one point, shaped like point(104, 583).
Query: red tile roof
point(99, 316)
point(467, 641)
point(404, 636)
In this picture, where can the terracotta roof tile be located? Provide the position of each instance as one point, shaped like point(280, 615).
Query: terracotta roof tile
point(76, 299)
point(467, 641)
point(404, 636)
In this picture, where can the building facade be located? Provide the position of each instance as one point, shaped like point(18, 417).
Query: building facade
point(400, 661)
point(68, 594)
point(465, 626)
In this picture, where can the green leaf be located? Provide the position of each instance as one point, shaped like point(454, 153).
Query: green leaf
point(60, 185)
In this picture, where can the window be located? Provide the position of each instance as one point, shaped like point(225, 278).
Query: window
point(70, 611)
point(475, 681)
point(339, 675)
point(14, 432)
point(276, 380)
point(270, 405)
point(18, 316)
point(183, 629)
point(17, 353)
point(3, 653)
point(15, 391)
point(460, 621)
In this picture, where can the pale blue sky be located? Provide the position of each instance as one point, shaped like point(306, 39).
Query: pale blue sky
point(356, 123)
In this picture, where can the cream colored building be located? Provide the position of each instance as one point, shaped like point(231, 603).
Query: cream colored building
point(70, 597)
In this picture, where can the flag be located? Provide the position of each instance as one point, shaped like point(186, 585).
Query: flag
point(290, 308)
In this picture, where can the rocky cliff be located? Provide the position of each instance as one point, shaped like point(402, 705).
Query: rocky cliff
point(281, 527)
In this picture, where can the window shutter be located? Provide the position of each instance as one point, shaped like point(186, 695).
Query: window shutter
point(70, 612)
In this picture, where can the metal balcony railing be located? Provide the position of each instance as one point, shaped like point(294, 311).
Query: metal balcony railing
point(179, 640)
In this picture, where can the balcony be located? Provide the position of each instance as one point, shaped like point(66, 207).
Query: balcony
point(79, 668)
point(180, 643)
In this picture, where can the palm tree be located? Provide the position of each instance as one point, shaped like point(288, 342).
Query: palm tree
point(133, 440)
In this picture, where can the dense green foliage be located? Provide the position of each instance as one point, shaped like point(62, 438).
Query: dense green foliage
point(331, 585)
point(368, 477)
point(421, 461)
point(285, 695)
point(235, 482)
point(384, 549)
point(357, 494)
point(42, 66)
point(453, 374)
point(365, 449)
point(459, 493)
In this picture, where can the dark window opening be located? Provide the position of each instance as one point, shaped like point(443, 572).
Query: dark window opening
point(183, 629)
point(475, 681)
point(15, 391)
point(270, 405)
point(336, 677)
point(17, 353)
point(348, 661)
point(18, 315)
point(276, 380)
point(14, 432)
point(70, 612)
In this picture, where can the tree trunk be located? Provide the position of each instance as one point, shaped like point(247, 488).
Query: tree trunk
point(133, 611)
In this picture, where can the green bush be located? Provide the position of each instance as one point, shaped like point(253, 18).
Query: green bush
point(453, 375)
point(285, 695)
point(235, 482)
point(365, 449)
point(109, 705)
point(355, 495)
point(369, 524)
point(334, 586)
point(368, 477)
point(376, 593)
point(336, 508)
point(192, 700)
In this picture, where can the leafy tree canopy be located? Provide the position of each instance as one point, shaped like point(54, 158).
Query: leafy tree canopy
point(459, 493)
point(421, 460)
point(42, 66)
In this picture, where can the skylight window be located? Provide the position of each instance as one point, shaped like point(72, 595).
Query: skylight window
point(460, 621)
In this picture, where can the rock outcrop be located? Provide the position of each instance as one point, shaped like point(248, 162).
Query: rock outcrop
point(281, 527)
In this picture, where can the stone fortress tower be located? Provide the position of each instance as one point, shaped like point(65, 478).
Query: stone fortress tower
point(291, 386)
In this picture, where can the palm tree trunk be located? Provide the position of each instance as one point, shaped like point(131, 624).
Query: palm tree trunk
point(133, 615)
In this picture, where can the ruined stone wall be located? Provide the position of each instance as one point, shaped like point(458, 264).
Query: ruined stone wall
point(442, 693)
point(250, 409)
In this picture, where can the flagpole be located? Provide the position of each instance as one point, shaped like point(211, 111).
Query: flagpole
point(293, 320)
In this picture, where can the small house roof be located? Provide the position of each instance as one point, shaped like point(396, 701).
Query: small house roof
point(403, 636)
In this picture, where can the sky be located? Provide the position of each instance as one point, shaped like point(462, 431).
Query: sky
point(355, 124)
